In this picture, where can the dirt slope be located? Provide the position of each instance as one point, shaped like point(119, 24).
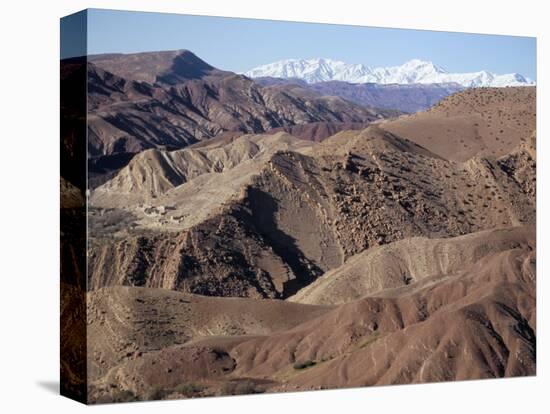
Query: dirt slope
point(127, 325)
point(154, 172)
point(479, 323)
point(414, 260)
point(357, 190)
point(422, 256)
point(476, 122)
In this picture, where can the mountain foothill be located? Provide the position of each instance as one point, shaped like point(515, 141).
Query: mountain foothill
point(269, 234)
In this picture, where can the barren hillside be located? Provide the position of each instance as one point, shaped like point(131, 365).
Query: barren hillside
point(174, 99)
point(486, 122)
point(254, 262)
point(479, 323)
point(356, 189)
point(416, 260)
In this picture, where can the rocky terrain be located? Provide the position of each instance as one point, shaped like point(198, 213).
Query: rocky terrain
point(235, 219)
point(248, 238)
point(174, 99)
point(468, 324)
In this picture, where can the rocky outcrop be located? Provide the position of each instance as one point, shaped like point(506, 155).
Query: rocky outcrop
point(174, 99)
point(298, 214)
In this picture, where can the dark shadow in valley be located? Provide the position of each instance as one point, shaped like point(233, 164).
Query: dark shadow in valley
point(263, 209)
point(103, 168)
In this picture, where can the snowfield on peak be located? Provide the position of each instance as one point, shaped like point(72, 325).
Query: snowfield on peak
point(413, 71)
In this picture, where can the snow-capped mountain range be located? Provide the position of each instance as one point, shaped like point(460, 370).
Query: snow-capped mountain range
point(413, 71)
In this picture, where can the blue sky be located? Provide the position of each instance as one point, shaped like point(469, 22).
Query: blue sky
point(241, 44)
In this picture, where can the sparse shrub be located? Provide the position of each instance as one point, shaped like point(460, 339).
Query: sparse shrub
point(156, 393)
point(305, 364)
point(241, 388)
point(123, 396)
point(189, 389)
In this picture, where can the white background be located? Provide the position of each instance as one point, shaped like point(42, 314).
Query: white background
point(29, 223)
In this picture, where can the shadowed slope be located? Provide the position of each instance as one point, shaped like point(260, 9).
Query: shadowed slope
point(173, 99)
point(479, 323)
point(169, 67)
point(247, 231)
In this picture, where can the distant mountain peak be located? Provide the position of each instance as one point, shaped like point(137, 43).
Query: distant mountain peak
point(423, 64)
point(413, 71)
